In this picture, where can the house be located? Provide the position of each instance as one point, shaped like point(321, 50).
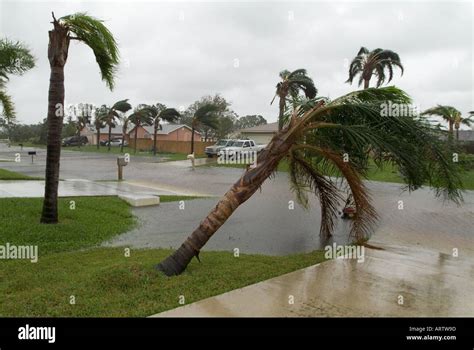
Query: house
point(261, 134)
point(168, 132)
point(466, 135)
point(90, 132)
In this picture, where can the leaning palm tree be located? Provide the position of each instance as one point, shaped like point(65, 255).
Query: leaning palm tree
point(93, 33)
point(376, 62)
point(447, 113)
point(141, 116)
point(113, 115)
point(158, 113)
point(319, 132)
point(206, 115)
point(15, 59)
point(291, 84)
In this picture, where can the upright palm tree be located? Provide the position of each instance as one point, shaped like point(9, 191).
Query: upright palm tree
point(376, 62)
point(15, 59)
point(460, 120)
point(291, 84)
point(99, 121)
point(113, 115)
point(125, 121)
point(158, 113)
point(93, 33)
point(141, 116)
point(447, 113)
point(205, 115)
point(319, 132)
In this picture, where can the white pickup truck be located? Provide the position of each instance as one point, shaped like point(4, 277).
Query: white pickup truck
point(240, 147)
point(214, 149)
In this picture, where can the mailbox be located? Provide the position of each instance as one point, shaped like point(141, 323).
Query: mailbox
point(121, 161)
point(32, 154)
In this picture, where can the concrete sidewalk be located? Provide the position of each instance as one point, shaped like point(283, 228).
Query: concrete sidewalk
point(398, 281)
point(76, 188)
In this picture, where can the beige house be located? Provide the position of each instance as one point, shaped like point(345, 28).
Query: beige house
point(261, 134)
point(168, 132)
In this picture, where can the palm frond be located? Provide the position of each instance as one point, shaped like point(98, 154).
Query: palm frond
point(95, 34)
point(15, 58)
point(8, 106)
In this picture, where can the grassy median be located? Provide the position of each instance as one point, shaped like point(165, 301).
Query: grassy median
point(105, 281)
point(12, 175)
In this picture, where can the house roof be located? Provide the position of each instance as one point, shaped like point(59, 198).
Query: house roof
point(264, 128)
point(166, 128)
point(115, 130)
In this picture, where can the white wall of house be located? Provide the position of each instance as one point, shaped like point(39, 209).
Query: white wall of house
point(259, 138)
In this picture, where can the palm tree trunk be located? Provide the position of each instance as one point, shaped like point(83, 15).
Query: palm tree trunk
point(154, 140)
point(451, 130)
point(281, 113)
point(110, 136)
point(366, 83)
point(135, 139)
point(457, 133)
point(123, 140)
point(192, 139)
point(98, 137)
point(57, 55)
point(242, 190)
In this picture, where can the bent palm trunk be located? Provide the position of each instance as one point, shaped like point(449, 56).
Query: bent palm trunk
point(57, 55)
point(242, 190)
point(281, 112)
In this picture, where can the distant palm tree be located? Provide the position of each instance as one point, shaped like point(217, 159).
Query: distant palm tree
point(125, 121)
point(368, 63)
point(314, 141)
point(15, 59)
point(141, 116)
point(99, 121)
point(93, 33)
point(205, 115)
point(113, 115)
point(291, 84)
point(447, 113)
point(158, 113)
point(460, 120)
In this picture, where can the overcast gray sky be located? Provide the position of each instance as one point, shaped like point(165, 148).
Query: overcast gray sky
point(174, 53)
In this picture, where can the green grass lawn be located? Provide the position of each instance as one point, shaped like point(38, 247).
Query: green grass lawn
point(103, 281)
point(389, 173)
point(11, 175)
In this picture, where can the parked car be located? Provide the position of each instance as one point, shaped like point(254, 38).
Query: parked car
point(75, 141)
point(116, 142)
point(214, 149)
point(240, 148)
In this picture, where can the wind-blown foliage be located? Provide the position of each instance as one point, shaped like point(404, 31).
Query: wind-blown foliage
point(92, 32)
point(448, 114)
point(290, 85)
point(368, 63)
point(15, 59)
point(205, 115)
point(318, 137)
point(158, 113)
